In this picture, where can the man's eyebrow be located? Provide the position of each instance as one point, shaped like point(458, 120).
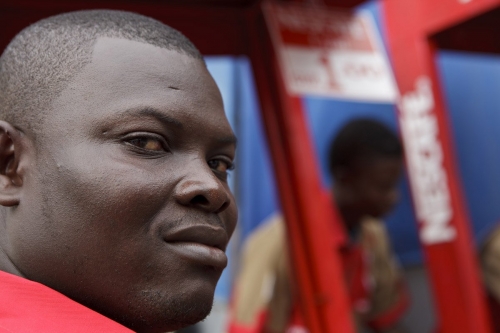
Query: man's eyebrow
point(164, 118)
point(152, 112)
point(228, 140)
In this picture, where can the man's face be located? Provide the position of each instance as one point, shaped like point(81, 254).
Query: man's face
point(128, 209)
point(374, 185)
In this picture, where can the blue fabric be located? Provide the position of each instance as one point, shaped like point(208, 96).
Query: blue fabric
point(253, 180)
point(257, 197)
point(223, 70)
point(471, 84)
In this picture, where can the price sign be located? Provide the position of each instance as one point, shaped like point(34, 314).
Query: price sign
point(331, 53)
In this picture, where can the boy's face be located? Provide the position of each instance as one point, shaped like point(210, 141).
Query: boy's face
point(373, 186)
point(127, 208)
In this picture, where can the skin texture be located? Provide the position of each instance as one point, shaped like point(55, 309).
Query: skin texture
point(369, 188)
point(134, 152)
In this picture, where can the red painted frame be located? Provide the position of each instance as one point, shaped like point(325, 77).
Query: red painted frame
point(321, 293)
point(451, 263)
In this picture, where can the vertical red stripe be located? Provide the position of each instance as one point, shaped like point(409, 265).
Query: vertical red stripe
point(322, 297)
point(451, 263)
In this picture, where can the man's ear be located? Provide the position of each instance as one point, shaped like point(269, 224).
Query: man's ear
point(11, 179)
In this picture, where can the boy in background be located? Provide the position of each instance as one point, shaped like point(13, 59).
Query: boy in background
point(365, 161)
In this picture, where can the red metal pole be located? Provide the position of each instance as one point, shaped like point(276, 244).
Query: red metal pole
point(318, 275)
point(443, 219)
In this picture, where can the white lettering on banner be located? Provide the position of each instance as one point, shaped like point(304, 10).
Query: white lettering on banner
point(353, 75)
point(425, 164)
point(338, 24)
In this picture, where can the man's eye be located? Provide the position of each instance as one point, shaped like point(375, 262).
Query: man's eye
point(151, 144)
point(220, 165)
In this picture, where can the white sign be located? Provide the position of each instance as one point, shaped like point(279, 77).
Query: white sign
point(330, 53)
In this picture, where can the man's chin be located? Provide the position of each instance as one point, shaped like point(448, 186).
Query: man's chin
point(193, 315)
point(170, 314)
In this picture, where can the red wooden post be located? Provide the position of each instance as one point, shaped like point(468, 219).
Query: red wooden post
point(322, 296)
point(441, 213)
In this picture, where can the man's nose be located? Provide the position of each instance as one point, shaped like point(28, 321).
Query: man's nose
point(201, 189)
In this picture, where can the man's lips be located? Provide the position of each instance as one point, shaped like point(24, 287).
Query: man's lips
point(200, 244)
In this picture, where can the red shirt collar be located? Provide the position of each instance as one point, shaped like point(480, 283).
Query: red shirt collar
point(27, 306)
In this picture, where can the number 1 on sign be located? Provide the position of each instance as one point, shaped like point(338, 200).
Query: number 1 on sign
point(324, 59)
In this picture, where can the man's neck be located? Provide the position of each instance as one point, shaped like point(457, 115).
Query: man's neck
point(7, 265)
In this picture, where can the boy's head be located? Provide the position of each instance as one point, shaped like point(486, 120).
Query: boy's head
point(114, 154)
point(365, 160)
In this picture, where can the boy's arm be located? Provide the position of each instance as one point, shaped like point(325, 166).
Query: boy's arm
point(390, 298)
point(389, 321)
point(490, 264)
point(259, 257)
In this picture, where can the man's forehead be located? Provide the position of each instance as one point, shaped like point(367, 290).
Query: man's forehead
point(111, 54)
point(130, 76)
point(130, 63)
point(120, 64)
point(111, 46)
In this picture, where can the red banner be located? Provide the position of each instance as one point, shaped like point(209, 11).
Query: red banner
point(441, 211)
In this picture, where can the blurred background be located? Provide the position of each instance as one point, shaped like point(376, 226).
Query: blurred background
point(469, 79)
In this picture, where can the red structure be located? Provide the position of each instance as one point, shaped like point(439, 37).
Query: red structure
point(415, 29)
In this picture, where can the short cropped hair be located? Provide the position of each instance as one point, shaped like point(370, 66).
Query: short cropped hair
point(41, 60)
point(361, 140)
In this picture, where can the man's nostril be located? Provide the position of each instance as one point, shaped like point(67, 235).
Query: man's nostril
point(223, 207)
point(199, 200)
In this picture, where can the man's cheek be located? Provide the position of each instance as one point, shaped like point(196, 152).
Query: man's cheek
point(232, 218)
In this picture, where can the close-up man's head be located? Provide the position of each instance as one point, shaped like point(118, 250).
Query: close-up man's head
point(114, 157)
point(365, 161)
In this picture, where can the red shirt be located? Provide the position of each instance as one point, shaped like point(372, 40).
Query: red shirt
point(27, 307)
